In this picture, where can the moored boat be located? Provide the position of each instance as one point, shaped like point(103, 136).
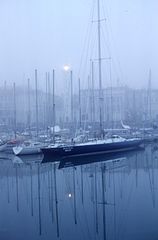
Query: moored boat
point(113, 144)
point(28, 148)
point(10, 144)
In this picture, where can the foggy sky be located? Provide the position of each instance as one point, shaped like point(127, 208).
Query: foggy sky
point(47, 34)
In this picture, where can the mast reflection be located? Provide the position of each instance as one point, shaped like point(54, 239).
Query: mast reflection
point(99, 190)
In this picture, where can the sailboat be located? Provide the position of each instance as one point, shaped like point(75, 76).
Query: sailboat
point(110, 145)
point(28, 148)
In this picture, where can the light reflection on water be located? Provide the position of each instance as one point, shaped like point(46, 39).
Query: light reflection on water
point(112, 199)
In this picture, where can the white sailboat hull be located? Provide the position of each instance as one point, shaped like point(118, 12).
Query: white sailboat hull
point(26, 150)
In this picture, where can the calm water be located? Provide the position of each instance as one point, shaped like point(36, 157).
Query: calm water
point(110, 198)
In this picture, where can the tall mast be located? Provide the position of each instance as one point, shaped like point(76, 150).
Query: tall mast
point(53, 106)
point(100, 70)
point(89, 101)
point(14, 109)
point(71, 84)
point(79, 86)
point(149, 96)
point(36, 103)
point(29, 112)
point(5, 103)
point(111, 93)
point(93, 103)
point(46, 106)
point(49, 100)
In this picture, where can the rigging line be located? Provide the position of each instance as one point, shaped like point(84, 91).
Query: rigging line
point(91, 49)
point(106, 13)
point(93, 8)
point(89, 43)
point(66, 96)
point(84, 45)
point(90, 32)
point(86, 110)
point(87, 53)
point(113, 59)
point(107, 41)
point(94, 46)
point(87, 103)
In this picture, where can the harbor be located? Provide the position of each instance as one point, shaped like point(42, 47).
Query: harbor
point(78, 120)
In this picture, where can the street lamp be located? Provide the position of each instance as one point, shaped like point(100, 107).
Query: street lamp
point(66, 67)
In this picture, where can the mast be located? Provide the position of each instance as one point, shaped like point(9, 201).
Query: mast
point(71, 85)
point(114, 191)
point(89, 101)
point(100, 71)
point(79, 86)
point(46, 106)
point(53, 106)
point(49, 100)
point(93, 103)
point(149, 96)
point(37, 127)
point(29, 111)
point(5, 103)
point(111, 96)
point(14, 109)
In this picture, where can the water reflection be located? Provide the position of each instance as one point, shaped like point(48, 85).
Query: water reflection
point(114, 197)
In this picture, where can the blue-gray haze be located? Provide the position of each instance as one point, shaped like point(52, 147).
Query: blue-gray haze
point(46, 34)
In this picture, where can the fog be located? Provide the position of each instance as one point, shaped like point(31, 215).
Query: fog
point(48, 34)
